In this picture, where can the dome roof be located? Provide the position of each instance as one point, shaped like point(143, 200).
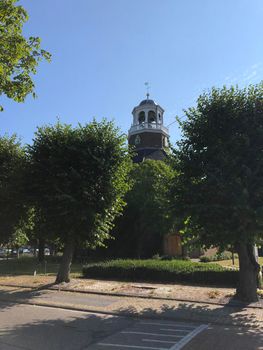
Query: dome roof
point(148, 102)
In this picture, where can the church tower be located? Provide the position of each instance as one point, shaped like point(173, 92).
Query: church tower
point(147, 132)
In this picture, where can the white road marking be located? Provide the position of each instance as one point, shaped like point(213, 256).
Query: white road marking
point(174, 330)
point(177, 344)
point(188, 337)
point(158, 334)
point(168, 324)
point(131, 346)
point(159, 341)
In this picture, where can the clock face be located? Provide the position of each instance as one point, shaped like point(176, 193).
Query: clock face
point(137, 140)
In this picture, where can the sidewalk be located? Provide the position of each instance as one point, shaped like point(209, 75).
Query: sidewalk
point(137, 307)
point(178, 292)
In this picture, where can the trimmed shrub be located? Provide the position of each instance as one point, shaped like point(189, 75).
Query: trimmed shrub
point(205, 259)
point(162, 271)
point(218, 257)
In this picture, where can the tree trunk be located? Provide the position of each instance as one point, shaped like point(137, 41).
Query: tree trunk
point(7, 253)
point(185, 251)
point(41, 250)
point(52, 250)
point(64, 268)
point(35, 247)
point(233, 258)
point(248, 273)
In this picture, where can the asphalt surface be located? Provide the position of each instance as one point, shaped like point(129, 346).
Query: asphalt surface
point(44, 328)
point(227, 338)
point(34, 327)
point(161, 326)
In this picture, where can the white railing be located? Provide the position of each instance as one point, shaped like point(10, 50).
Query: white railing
point(148, 126)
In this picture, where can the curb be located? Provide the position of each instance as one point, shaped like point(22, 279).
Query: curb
point(233, 304)
point(127, 295)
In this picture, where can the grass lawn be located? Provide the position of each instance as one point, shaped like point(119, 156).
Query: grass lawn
point(228, 263)
point(27, 265)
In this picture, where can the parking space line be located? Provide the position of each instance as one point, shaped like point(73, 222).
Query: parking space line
point(132, 346)
point(188, 337)
point(159, 341)
point(158, 334)
point(152, 338)
point(174, 330)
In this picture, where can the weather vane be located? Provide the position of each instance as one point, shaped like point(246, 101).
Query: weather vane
point(147, 89)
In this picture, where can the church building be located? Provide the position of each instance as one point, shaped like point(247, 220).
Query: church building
point(147, 132)
point(150, 139)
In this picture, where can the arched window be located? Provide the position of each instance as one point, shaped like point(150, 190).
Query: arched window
point(141, 117)
point(151, 117)
point(159, 118)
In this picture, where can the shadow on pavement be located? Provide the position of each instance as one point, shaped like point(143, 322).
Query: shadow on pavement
point(46, 328)
point(43, 328)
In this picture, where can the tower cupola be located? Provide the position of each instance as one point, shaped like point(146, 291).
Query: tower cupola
point(147, 132)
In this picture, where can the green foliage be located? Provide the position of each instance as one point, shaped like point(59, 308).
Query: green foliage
point(24, 230)
point(18, 238)
point(147, 216)
point(218, 191)
point(162, 271)
point(19, 56)
point(12, 209)
point(77, 178)
point(217, 257)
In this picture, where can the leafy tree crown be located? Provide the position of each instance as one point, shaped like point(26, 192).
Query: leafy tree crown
point(219, 192)
point(78, 177)
point(19, 56)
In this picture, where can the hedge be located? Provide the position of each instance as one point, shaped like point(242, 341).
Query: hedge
point(162, 271)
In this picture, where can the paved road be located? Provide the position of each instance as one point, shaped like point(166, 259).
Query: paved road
point(42, 328)
point(227, 338)
point(151, 334)
point(31, 327)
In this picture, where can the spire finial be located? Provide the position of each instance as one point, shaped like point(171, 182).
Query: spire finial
point(147, 89)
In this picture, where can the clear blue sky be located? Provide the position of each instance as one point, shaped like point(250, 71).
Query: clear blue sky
point(104, 50)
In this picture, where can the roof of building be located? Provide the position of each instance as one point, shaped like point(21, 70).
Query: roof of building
point(148, 102)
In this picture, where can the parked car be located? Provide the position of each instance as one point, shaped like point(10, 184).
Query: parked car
point(2, 252)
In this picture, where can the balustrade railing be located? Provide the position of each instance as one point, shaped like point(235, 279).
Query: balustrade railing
point(148, 126)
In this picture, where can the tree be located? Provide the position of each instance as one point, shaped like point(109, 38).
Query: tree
point(12, 164)
point(19, 56)
point(18, 239)
point(219, 189)
point(77, 178)
point(147, 216)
